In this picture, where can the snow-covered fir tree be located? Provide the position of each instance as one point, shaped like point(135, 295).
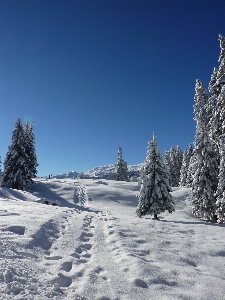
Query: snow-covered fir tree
point(122, 171)
point(200, 106)
point(173, 161)
point(216, 99)
point(220, 79)
point(184, 169)
point(204, 176)
point(184, 180)
point(202, 111)
point(17, 173)
point(30, 150)
point(212, 87)
point(220, 193)
point(203, 167)
point(169, 162)
point(154, 197)
point(178, 165)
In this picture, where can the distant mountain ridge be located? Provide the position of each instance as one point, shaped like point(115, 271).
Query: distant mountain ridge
point(71, 174)
point(109, 171)
point(105, 172)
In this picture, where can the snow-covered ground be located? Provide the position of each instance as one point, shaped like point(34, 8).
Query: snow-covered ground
point(93, 246)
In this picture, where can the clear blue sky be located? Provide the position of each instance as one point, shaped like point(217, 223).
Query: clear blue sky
point(95, 75)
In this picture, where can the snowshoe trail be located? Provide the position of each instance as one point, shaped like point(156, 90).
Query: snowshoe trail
point(106, 261)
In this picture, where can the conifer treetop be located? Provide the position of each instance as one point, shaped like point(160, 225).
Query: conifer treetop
point(221, 71)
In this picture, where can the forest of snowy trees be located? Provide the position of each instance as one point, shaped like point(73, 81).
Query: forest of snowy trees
point(206, 169)
point(201, 168)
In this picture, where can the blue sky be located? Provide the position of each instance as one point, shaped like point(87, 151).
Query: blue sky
point(95, 75)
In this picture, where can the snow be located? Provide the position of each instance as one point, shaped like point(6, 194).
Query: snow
point(93, 246)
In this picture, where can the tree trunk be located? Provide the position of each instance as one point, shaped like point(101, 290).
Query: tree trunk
point(155, 217)
point(15, 185)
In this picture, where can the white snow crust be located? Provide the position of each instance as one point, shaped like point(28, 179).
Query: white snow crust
point(93, 246)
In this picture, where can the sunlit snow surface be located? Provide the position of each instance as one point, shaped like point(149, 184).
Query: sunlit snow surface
point(93, 246)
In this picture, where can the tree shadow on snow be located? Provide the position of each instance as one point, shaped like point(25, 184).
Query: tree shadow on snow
point(193, 223)
point(45, 192)
point(11, 194)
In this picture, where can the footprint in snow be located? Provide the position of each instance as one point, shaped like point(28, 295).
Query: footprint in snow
point(85, 236)
point(66, 266)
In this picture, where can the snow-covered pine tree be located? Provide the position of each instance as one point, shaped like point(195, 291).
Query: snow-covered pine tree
point(211, 106)
point(203, 167)
point(203, 110)
point(170, 161)
point(122, 171)
point(204, 175)
point(30, 150)
point(220, 79)
point(184, 169)
point(184, 177)
point(125, 171)
point(16, 168)
point(204, 162)
point(200, 107)
point(216, 101)
point(179, 159)
point(173, 161)
point(154, 196)
point(212, 87)
point(167, 162)
point(172, 171)
point(220, 193)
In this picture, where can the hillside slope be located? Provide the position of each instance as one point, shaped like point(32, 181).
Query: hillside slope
point(93, 246)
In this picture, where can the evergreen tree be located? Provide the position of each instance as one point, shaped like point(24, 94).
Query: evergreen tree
point(30, 150)
point(16, 168)
point(184, 175)
point(204, 176)
point(220, 80)
point(125, 171)
point(216, 99)
point(170, 162)
point(178, 165)
point(122, 171)
point(184, 169)
point(212, 87)
point(172, 171)
point(154, 196)
point(203, 167)
point(167, 163)
point(220, 193)
point(173, 161)
point(217, 122)
point(201, 110)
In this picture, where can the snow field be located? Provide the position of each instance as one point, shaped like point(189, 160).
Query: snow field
point(93, 246)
